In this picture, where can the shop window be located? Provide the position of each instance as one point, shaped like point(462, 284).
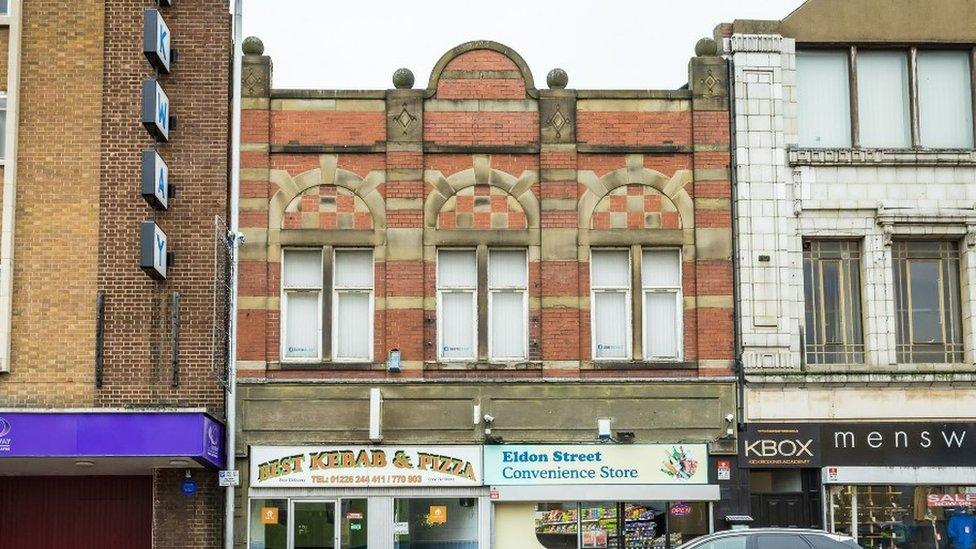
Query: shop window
point(311, 298)
point(823, 96)
point(435, 523)
point(945, 99)
point(571, 525)
point(882, 99)
point(504, 294)
point(268, 524)
point(832, 299)
point(354, 534)
point(927, 301)
point(658, 283)
point(903, 516)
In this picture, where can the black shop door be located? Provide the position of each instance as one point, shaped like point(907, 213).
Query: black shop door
point(779, 510)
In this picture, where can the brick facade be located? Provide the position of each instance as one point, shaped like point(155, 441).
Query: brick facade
point(482, 157)
point(77, 218)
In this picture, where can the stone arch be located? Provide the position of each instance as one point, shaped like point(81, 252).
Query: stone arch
point(672, 188)
point(481, 174)
point(456, 51)
point(327, 174)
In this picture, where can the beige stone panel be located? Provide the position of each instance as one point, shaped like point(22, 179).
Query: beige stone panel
point(559, 244)
point(633, 105)
point(481, 105)
point(861, 403)
point(714, 243)
point(405, 244)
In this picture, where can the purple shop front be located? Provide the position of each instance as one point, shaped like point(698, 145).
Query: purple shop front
point(163, 434)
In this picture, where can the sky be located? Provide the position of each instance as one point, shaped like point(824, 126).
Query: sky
point(608, 44)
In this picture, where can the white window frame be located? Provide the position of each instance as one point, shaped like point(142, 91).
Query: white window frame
point(349, 290)
point(525, 306)
point(440, 307)
point(646, 290)
point(628, 298)
point(283, 327)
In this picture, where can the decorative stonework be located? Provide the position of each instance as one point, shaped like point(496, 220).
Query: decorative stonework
point(882, 157)
point(404, 119)
point(559, 121)
point(756, 43)
point(327, 207)
point(481, 207)
point(635, 207)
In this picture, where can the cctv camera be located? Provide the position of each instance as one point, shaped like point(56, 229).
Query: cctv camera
point(729, 417)
point(489, 418)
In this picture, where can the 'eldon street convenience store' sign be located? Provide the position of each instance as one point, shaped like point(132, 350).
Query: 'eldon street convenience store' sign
point(365, 466)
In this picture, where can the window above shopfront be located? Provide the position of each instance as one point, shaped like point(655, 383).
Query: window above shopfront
point(895, 98)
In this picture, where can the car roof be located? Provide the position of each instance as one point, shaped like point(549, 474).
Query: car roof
point(754, 531)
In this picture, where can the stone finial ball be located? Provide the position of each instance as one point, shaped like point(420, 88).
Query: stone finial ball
point(557, 79)
point(403, 78)
point(253, 46)
point(706, 47)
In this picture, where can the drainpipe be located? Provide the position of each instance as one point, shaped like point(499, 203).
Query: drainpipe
point(234, 237)
point(10, 185)
point(737, 321)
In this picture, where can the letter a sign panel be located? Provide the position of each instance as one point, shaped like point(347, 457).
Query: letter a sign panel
point(155, 180)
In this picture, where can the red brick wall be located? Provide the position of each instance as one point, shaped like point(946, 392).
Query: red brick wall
point(559, 334)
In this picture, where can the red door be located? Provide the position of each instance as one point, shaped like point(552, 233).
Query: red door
point(75, 512)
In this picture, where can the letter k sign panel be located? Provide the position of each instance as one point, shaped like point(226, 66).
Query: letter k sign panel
point(156, 41)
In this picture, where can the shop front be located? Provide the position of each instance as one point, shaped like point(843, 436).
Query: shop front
point(355, 496)
point(888, 485)
point(569, 496)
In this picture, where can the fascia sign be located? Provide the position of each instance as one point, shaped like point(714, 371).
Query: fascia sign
point(153, 250)
point(156, 41)
point(155, 110)
point(155, 180)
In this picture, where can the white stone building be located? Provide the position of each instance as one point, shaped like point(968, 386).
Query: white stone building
point(855, 201)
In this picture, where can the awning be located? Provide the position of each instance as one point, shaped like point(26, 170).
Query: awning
point(157, 438)
point(607, 492)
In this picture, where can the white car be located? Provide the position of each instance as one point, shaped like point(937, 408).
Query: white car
point(772, 538)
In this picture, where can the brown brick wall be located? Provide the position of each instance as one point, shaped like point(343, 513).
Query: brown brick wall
point(55, 261)
point(181, 522)
point(137, 342)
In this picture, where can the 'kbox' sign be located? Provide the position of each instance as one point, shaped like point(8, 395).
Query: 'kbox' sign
point(152, 250)
point(155, 180)
point(155, 41)
point(155, 110)
point(774, 445)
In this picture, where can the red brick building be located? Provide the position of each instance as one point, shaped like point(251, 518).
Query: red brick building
point(496, 262)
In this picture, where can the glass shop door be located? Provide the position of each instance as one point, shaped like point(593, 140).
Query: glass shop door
point(314, 525)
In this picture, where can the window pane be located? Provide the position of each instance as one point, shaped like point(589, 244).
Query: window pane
point(830, 272)
point(314, 525)
point(354, 534)
point(507, 269)
point(269, 524)
point(610, 313)
point(945, 99)
point(610, 268)
point(823, 93)
point(882, 99)
point(457, 269)
point(661, 268)
point(661, 324)
point(926, 300)
point(556, 525)
point(436, 523)
point(832, 302)
point(302, 328)
point(508, 325)
point(354, 268)
point(302, 269)
point(457, 325)
point(352, 325)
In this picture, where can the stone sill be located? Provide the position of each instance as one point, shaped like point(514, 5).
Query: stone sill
point(964, 375)
point(532, 365)
point(798, 156)
point(638, 365)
